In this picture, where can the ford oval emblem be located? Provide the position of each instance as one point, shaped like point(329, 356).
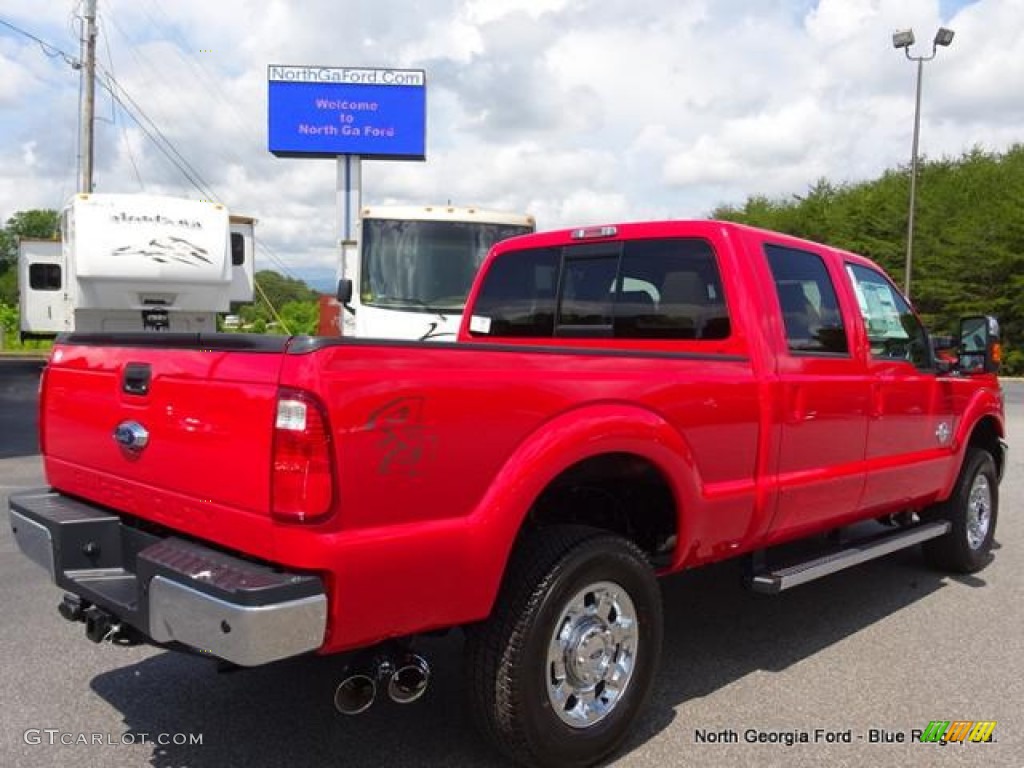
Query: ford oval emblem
point(131, 435)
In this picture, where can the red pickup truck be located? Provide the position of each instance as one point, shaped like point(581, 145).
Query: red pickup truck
point(622, 402)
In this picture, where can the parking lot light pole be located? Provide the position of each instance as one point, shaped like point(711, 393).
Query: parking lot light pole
point(904, 39)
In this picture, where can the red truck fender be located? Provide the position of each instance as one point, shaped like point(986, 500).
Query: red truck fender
point(982, 421)
point(555, 447)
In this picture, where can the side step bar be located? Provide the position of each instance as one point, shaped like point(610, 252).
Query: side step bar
point(853, 553)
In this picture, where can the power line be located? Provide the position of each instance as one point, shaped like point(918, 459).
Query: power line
point(152, 132)
point(165, 145)
point(80, 34)
point(50, 50)
point(155, 135)
point(276, 260)
point(117, 92)
point(167, 30)
point(143, 64)
point(181, 163)
point(270, 306)
point(164, 29)
point(211, 82)
point(73, 16)
point(159, 73)
point(124, 128)
point(193, 67)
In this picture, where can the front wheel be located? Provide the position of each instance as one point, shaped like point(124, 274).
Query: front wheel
point(972, 510)
point(564, 665)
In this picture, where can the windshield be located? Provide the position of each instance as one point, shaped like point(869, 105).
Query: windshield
point(425, 265)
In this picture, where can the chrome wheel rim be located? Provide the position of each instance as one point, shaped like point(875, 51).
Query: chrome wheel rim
point(592, 654)
point(979, 512)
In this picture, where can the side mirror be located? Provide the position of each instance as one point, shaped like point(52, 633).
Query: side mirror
point(345, 294)
point(979, 350)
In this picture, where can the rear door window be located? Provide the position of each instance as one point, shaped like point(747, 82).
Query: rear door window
point(670, 289)
point(810, 311)
point(588, 292)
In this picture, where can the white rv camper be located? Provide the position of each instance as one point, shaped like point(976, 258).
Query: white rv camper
point(415, 265)
point(134, 263)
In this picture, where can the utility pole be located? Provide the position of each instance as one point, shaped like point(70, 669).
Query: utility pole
point(904, 39)
point(913, 179)
point(88, 105)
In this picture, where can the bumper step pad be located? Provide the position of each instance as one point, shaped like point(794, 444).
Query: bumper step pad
point(171, 589)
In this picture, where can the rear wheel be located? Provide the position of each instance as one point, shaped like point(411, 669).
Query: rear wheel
point(972, 510)
point(560, 671)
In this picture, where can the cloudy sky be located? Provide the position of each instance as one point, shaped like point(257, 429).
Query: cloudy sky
point(578, 111)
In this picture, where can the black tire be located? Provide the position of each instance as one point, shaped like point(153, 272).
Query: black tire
point(975, 499)
point(507, 656)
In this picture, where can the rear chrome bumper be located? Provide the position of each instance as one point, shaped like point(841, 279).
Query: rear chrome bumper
point(170, 589)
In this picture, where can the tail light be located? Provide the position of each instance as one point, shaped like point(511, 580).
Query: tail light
point(589, 233)
point(302, 480)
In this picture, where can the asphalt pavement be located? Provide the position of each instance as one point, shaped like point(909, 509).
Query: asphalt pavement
point(853, 664)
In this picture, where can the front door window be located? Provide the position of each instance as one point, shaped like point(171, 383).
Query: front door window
point(893, 329)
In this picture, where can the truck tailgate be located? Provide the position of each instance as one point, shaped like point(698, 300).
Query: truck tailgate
point(164, 430)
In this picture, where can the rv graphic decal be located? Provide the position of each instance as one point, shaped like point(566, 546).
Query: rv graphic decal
point(165, 250)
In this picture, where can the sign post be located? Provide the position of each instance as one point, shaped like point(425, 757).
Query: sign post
point(349, 203)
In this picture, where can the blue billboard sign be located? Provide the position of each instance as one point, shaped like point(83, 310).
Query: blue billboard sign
point(329, 111)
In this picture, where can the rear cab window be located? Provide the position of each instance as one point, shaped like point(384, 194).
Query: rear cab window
point(642, 289)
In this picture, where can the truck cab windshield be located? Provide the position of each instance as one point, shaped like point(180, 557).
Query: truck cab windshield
point(425, 266)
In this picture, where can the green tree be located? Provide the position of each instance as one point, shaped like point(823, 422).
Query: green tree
point(9, 287)
point(279, 289)
point(41, 223)
point(300, 317)
point(968, 234)
point(292, 308)
point(9, 325)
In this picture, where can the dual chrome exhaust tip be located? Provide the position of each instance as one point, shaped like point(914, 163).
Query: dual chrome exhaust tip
point(405, 679)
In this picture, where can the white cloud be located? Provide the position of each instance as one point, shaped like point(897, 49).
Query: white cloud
point(28, 154)
point(483, 11)
point(577, 110)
